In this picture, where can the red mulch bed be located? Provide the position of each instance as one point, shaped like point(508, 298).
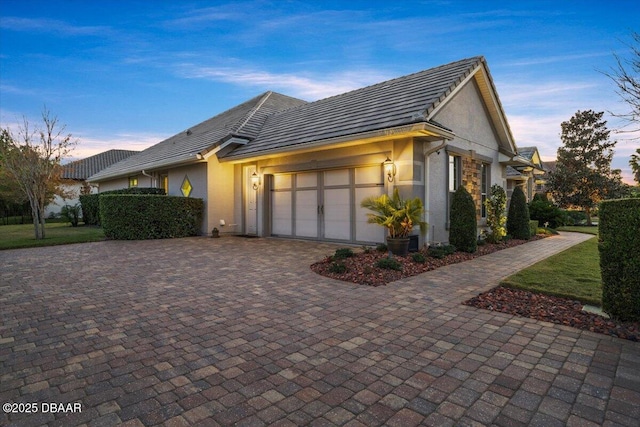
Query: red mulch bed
point(362, 269)
point(547, 308)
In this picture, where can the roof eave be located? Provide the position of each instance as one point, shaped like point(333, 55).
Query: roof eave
point(418, 129)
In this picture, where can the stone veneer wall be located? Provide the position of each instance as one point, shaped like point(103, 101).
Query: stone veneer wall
point(472, 180)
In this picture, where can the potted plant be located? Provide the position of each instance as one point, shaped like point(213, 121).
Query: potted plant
point(399, 216)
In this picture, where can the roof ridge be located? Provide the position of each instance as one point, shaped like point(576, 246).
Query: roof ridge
point(253, 111)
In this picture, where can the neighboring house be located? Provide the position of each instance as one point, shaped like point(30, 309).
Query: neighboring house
point(280, 166)
point(75, 174)
point(526, 171)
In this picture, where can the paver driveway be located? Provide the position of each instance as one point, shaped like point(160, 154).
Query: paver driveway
point(237, 331)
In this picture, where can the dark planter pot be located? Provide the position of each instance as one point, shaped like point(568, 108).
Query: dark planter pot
point(399, 247)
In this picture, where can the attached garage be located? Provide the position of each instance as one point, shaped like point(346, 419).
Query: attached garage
point(325, 205)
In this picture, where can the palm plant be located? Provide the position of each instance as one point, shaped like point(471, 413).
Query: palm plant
point(399, 216)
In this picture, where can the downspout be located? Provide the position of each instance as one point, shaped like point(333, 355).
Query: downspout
point(153, 183)
point(427, 152)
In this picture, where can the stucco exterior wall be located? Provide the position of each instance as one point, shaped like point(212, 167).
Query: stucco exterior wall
point(476, 141)
point(220, 198)
point(120, 183)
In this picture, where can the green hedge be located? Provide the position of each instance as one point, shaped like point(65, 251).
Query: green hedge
point(533, 227)
point(518, 217)
point(619, 247)
point(90, 209)
point(463, 228)
point(137, 190)
point(146, 216)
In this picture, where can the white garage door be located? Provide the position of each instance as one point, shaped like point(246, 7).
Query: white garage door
point(326, 205)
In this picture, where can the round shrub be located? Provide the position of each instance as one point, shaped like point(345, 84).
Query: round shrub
point(463, 228)
point(518, 217)
point(389, 264)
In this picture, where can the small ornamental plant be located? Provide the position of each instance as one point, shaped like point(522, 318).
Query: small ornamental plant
point(496, 205)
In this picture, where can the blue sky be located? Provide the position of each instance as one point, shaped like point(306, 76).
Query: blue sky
point(127, 74)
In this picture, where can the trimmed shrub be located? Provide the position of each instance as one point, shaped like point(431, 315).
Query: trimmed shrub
point(337, 267)
point(343, 253)
point(533, 227)
point(463, 228)
point(575, 217)
point(440, 252)
point(145, 216)
point(518, 218)
point(381, 247)
point(418, 257)
point(619, 248)
point(90, 209)
point(389, 264)
point(137, 190)
point(544, 211)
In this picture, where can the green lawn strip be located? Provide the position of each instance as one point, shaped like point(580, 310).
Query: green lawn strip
point(573, 273)
point(580, 229)
point(22, 236)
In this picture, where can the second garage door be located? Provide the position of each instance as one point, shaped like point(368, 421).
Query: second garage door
point(325, 205)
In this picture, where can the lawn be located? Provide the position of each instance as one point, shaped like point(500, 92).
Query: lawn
point(21, 236)
point(573, 273)
point(580, 229)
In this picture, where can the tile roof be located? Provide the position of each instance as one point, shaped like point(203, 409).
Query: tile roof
point(84, 168)
point(275, 122)
point(405, 100)
point(244, 120)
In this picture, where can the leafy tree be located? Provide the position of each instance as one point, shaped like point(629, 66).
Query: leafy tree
point(496, 220)
point(583, 175)
point(518, 217)
point(463, 228)
point(33, 158)
point(634, 162)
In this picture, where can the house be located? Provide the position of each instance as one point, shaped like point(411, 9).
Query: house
point(280, 166)
point(75, 174)
point(527, 171)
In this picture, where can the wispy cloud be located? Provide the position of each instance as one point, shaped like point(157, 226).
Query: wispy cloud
point(554, 59)
point(51, 26)
point(306, 87)
point(91, 145)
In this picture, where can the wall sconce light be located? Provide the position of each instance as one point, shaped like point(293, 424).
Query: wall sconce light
point(255, 180)
point(389, 169)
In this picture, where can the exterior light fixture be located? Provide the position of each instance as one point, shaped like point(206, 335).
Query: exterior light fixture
point(255, 180)
point(389, 169)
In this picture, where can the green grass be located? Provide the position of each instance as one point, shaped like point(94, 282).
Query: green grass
point(573, 273)
point(22, 236)
point(580, 229)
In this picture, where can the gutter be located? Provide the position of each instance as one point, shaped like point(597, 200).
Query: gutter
point(153, 180)
point(428, 152)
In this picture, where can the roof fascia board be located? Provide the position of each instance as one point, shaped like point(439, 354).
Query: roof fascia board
point(150, 167)
point(412, 130)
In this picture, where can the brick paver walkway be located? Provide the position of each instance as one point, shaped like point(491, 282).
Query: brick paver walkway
point(237, 331)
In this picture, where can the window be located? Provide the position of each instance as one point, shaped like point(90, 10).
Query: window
point(454, 173)
point(186, 187)
point(484, 188)
point(164, 183)
point(133, 182)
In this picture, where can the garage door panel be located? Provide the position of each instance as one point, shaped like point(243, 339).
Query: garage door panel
point(337, 214)
point(282, 215)
point(307, 213)
point(366, 232)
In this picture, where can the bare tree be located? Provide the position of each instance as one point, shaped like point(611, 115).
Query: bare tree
point(33, 157)
point(626, 76)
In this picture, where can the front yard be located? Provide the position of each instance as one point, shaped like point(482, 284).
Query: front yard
point(21, 236)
